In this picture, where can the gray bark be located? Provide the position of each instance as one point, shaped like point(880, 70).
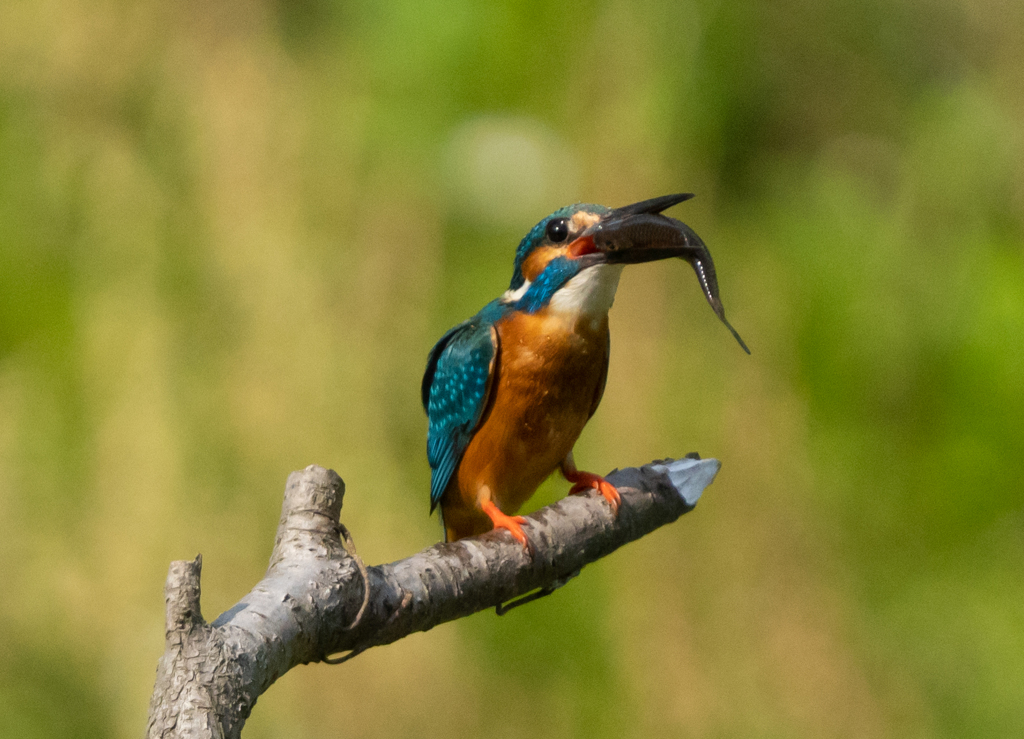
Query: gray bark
point(317, 599)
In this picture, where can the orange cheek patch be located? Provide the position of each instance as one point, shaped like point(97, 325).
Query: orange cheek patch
point(534, 264)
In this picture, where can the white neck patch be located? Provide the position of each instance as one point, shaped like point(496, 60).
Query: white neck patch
point(511, 296)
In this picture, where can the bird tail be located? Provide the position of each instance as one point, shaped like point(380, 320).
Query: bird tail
point(440, 518)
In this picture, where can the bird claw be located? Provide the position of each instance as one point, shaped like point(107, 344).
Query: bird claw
point(587, 480)
point(513, 524)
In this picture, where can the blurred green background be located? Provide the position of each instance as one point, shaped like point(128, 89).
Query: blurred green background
point(231, 231)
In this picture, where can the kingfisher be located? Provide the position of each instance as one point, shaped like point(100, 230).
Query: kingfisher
point(508, 392)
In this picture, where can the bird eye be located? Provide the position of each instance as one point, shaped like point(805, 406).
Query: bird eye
point(558, 230)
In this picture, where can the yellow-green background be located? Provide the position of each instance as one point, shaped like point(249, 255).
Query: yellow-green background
point(230, 232)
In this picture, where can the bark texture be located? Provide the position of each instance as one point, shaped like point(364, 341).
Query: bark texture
point(318, 600)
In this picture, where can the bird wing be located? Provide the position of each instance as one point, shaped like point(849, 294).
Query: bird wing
point(456, 388)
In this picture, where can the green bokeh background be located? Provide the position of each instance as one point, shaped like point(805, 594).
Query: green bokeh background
point(231, 231)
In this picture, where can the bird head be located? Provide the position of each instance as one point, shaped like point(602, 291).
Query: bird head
point(580, 239)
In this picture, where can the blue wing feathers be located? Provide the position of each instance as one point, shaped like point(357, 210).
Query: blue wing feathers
point(432, 359)
point(456, 388)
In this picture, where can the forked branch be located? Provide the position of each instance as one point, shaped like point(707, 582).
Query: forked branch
point(317, 601)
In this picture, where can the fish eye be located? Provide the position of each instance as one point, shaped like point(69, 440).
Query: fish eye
point(558, 230)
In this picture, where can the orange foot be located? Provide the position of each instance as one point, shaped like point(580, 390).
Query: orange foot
point(584, 481)
point(502, 521)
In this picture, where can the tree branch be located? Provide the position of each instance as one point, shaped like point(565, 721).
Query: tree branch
point(317, 599)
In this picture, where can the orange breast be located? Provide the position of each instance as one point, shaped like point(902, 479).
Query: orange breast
point(548, 379)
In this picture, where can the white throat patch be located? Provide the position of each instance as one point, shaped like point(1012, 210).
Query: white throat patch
point(589, 294)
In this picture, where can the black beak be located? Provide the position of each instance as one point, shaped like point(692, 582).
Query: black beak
point(638, 233)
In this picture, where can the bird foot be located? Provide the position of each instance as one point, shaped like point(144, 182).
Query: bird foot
point(503, 521)
point(584, 481)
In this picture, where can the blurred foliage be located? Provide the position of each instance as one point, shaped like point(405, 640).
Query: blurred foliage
point(230, 232)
